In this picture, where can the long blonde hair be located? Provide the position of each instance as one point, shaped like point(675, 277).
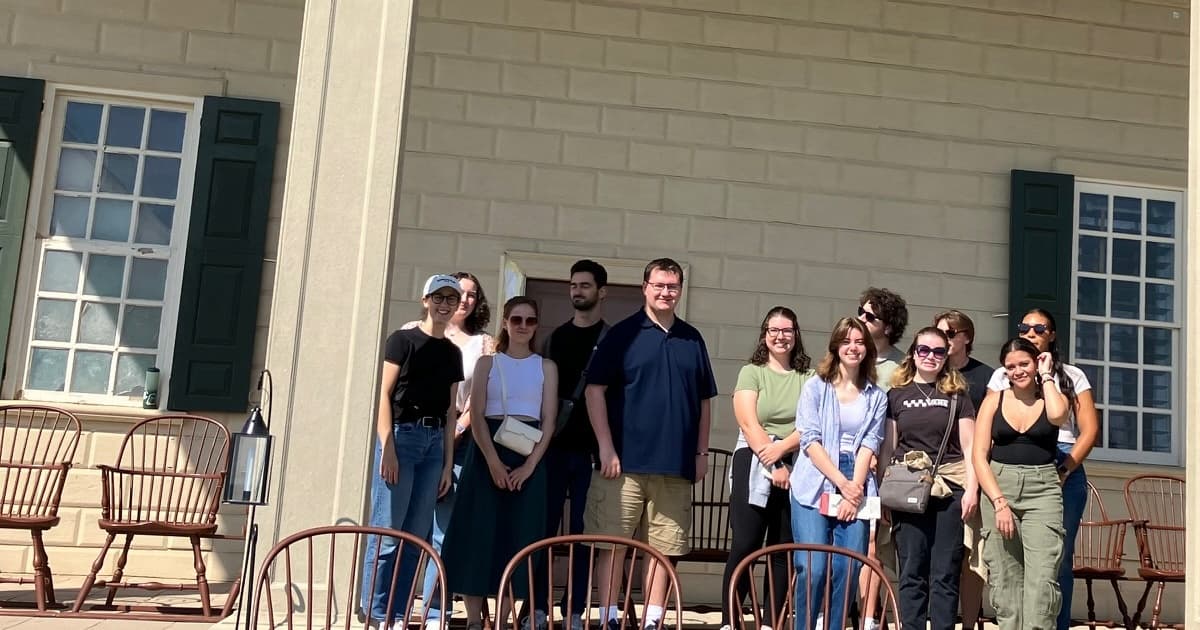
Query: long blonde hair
point(949, 380)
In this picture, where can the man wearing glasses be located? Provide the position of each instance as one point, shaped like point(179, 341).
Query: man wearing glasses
point(649, 391)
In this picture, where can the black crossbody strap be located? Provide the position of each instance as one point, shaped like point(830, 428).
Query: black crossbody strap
point(946, 438)
point(583, 375)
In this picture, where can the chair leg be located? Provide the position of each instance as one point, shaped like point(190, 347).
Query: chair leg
point(91, 578)
point(1121, 606)
point(41, 572)
point(1091, 602)
point(201, 580)
point(119, 573)
point(1154, 615)
point(1141, 605)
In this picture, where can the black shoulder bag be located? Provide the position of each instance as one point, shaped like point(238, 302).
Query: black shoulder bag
point(566, 406)
point(907, 490)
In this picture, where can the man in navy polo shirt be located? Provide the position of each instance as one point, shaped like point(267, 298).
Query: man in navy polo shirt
point(648, 396)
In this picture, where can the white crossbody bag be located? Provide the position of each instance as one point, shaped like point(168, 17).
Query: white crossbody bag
point(514, 434)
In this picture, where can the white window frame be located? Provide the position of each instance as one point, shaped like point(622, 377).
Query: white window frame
point(1180, 283)
point(37, 228)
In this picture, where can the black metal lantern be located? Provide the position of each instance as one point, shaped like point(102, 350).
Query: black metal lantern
point(248, 478)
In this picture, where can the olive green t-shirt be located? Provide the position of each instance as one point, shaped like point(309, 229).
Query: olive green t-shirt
point(885, 365)
point(777, 396)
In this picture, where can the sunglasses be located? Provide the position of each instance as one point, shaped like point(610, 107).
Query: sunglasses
point(517, 320)
point(924, 351)
point(951, 332)
point(870, 317)
point(1040, 329)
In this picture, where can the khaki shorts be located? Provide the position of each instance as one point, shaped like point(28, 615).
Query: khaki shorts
point(659, 506)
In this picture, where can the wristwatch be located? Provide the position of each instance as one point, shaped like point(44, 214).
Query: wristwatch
point(1062, 468)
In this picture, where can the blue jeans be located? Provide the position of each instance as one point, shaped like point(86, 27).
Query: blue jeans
point(810, 526)
point(568, 473)
point(1075, 496)
point(441, 520)
point(406, 505)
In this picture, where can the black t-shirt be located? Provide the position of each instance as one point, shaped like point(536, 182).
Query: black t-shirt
point(921, 415)
point(977, 374)
point(570, 347)
point(428, 367)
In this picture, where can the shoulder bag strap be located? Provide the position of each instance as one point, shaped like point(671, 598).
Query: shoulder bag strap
point(503, 390)
point(583, 375)
point(946, 438)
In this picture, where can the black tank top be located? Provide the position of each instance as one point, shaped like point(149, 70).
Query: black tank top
point(1035, 447)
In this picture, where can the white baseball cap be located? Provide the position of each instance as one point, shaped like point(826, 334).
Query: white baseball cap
point(441, 281)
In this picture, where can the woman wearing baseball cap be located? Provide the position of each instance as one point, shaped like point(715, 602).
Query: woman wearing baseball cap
point(419, 384)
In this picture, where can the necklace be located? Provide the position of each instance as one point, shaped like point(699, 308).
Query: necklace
point(929, 396)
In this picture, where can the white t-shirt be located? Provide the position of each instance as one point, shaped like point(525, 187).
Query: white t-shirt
point(1079, 380)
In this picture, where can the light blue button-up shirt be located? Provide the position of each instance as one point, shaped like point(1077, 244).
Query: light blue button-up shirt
point(818, 419)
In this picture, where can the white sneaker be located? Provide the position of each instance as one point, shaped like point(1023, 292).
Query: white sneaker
point(820, 622)
point(870, 624)
point(726, 627)
point(434, 623)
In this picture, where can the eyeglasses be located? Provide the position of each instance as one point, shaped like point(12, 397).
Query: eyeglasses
point(867, 315)
point(517, 320)
point(924, 351)
point(781, 332)
point(440, 298)
point(1040, 329)
point(665, 288)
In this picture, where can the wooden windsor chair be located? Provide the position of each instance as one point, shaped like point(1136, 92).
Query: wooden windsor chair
point(311, 580)
point(763, 593)
point(1156, 505)
point(37, 445)
point(167, 481)
point(1099, 546)
point(631, 561)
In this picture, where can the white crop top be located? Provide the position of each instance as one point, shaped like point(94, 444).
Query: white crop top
point(523, 379)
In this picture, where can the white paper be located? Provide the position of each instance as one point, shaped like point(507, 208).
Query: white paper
point(869, 510)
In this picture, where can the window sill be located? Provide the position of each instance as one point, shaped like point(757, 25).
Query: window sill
point(1119, 470)
point(89, 413)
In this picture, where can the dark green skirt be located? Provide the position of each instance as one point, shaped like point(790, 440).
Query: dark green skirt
point(490, 525)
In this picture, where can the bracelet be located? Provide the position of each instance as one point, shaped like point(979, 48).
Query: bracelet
point(1047, 377)
point(701, 453)
point(1001, 508)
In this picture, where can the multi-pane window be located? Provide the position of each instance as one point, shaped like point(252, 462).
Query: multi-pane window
point(114, 215)
point(1127, 316)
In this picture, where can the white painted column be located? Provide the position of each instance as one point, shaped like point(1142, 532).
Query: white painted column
point(1191, 331)
point(335, 242)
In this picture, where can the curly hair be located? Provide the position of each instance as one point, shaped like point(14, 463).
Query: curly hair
point(827, 369)
point(798, 360)
point(477, 320)
point(889, 307)
point(949, 380)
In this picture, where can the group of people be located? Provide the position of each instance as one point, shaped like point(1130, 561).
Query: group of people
point(1017, 433)
point(624, 414)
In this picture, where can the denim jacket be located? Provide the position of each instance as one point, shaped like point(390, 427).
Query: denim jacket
point(818, 419)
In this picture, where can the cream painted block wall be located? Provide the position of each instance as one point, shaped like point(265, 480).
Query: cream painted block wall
point(792, 151)
point(179, 47)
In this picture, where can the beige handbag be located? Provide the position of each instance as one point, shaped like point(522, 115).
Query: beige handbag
point(514, 434)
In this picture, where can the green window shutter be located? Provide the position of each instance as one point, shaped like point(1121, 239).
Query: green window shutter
point(20, 112)
point(222, 271)
point(1039, 272)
